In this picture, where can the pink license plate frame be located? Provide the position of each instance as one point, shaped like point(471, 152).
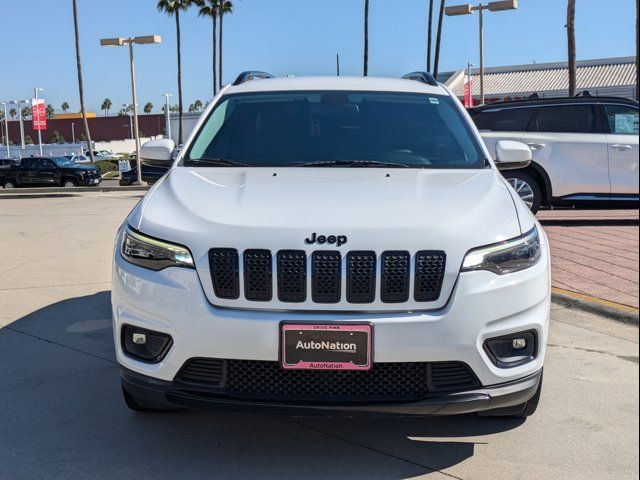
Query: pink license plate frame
point(321, 329)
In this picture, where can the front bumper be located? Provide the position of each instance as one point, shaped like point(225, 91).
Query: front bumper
point(172, 394)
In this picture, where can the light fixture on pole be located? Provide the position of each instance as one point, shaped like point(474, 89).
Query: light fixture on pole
point(35, 94)
point(120, 42)
point(6, 128)
point(19, 104)
point(167, 114)
point(468, 9)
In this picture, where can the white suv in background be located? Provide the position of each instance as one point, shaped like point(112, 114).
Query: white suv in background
point(585, 149)
point(336, 245)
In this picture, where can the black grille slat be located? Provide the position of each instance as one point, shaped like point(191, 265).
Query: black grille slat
point(254, 379)
point(430, 268)
point(394, 282)
point(361, 277)
point(326, 277)
point(258, 275)
point(223, 263)
point(292, 276)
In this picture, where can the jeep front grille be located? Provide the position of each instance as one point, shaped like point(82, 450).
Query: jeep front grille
point(390, 278)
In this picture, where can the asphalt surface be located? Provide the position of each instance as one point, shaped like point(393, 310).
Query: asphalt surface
point(62, 414)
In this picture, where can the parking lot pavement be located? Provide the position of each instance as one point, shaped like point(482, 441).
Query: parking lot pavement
point(595, 252)
point(62, 415)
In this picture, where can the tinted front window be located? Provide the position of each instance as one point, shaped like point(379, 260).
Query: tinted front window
point(503, 119)
point(356, 128)
point(565, 119)
point(622, 120)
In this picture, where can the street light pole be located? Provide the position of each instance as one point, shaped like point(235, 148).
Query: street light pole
point(469, 65)
point(468, 9)
point(119, 42)
point(167, 114)
point(73, 133)
point(35, 93)
point(6, 129)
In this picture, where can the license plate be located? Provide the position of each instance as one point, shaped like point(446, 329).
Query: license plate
point(326, 346)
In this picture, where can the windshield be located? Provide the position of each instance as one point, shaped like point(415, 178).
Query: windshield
point(63, 162)
point(364, 129)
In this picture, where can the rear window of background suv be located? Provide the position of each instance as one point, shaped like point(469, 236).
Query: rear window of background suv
point(503, 119)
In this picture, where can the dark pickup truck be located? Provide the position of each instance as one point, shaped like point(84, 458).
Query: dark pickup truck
point(49, 171)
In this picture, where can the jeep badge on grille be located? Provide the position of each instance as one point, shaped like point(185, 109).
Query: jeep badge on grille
point(338, 240)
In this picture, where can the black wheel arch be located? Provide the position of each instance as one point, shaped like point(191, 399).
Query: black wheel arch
point(542, 177)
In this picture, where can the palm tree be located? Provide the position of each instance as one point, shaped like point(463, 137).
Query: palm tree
point(209, 8)
point(365, 70)
point(25, 112)
point(65, 107)
point(438, 40)
point(106, 106)
point(227, 7)
point(148, 107)
point(80, 84)
point(50, 111)
point(429, 35)
point(173, 8)
point(571, 45)
point(13, 113)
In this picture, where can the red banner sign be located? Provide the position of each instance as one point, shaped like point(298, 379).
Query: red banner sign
point(468, 98)
point(39, 114)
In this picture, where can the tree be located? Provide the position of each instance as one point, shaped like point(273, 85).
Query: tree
point(227, 8)
point(195, 106)
point(64, 107)
point(365, 68)
point(25, 112)
point(571, 45)
point(28, 140)
point(429, 35)
point(50, 111)
point(80, 83)
point(173, 108)
point(436, 61)
point(209, 8)
point(13, 113)
point(173, 8)
point(57, 138)
point(106, 106)
point(148, 107)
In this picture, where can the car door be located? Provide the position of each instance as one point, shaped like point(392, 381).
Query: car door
point(501, 123)
point(28, 171)
point(568, 141)
point(46, 171)
point(622, 141)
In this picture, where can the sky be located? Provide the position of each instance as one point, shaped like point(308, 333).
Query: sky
point(298, 37)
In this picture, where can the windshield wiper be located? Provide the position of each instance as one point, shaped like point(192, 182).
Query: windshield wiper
point(214, 162)
point(353, 163)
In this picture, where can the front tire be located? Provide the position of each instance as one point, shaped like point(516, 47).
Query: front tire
point(527, 188)
point(69, 183)
point(8, 184)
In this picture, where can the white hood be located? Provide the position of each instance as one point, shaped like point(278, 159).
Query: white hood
point(376, 209)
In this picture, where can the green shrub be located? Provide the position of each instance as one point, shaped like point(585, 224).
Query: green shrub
point(106, 165)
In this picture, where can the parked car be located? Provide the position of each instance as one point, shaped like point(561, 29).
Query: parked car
point(78, 158)
point(149, 175)
point(7, 162)
point(49, 171)
point(102, 155)
point(585, 149)
point(338, 245)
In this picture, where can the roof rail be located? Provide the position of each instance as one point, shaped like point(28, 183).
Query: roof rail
point(251, 75)
point(424, 77)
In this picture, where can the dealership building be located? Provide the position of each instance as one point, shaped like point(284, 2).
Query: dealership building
point(602, 77)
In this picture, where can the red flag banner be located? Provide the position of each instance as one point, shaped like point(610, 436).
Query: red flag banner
point(468, 98)
point(39, 114)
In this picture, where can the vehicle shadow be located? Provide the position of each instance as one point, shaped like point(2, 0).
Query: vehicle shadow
point(62, 416)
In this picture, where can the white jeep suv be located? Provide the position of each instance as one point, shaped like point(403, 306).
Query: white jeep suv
point(340, 245)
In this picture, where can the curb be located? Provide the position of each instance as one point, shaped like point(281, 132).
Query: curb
point(62, 191)
point(605, 308)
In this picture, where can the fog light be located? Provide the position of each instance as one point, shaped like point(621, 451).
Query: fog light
point(145, 345)
point(518, 343)
point(512, 350)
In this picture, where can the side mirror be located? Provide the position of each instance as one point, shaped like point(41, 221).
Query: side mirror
point(511, 155)
point(157, 153)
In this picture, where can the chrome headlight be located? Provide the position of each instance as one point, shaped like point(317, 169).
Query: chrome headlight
point(506, 257)
point(151, 253)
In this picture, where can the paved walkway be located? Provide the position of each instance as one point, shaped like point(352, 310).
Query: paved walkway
point(595, 252)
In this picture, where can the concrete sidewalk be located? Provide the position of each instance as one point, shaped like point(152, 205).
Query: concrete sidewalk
point(595, 253)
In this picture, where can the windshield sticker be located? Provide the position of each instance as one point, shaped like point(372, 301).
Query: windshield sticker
point(434, 101)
